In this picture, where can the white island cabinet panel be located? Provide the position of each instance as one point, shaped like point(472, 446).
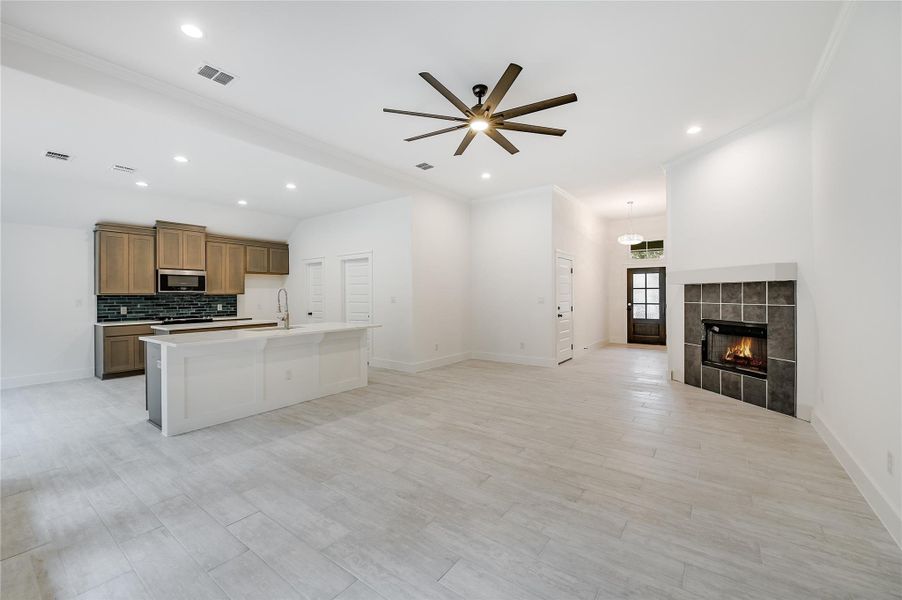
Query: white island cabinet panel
point(209, 378)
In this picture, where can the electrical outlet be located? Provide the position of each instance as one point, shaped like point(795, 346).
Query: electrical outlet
point(541, 300)
point(78, 303)
point(219, 307)
point(522, 346)
point(436, 347)
point(288, 374)
point(889, 463)
point(123, 310)
point(394, 299)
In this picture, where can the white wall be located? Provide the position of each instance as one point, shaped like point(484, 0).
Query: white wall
point(48, 306)
point(580, 233)
point(512, 278)
point(856, 224)
point(619, 259)
point(259, 298)
point(441, 285)
point(383, 229)
point(747, 201)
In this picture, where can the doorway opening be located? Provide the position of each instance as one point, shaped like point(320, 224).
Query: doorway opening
point(564, 293)
point(357, 292)
point(646, 320)
point(313, 273)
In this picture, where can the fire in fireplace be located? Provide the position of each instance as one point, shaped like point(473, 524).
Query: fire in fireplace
point(735, 346)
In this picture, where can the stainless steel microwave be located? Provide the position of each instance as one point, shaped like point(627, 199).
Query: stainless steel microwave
point(174, 281)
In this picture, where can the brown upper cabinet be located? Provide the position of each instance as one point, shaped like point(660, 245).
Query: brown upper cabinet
point(225, 268)
point(269, 259)
point(278, 261)
point(181, 246)
point(257, 259)
point(124, 260)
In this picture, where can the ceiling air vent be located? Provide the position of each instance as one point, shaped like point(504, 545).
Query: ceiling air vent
point(57, 155)
point(424, 166)
point(123, 169)
point(215, 74)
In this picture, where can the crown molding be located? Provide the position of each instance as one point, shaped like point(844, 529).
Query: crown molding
point(840, 24)
point(41, 57)
point(725, 139)
point(833, 41)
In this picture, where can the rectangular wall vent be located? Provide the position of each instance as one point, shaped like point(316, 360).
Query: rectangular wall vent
point(123, 169)
point(214, 74)
point(424, 166)
point(57, 155)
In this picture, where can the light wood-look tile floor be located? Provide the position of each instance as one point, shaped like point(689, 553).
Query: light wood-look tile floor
point(474, 481)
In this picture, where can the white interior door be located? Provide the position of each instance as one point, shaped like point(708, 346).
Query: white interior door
point(358, 292)
point(564, 281)
point(314, 292)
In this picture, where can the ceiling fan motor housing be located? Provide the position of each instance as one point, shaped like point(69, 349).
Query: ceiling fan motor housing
point(480, 90)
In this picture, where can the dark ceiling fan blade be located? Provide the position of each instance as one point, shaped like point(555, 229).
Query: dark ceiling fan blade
point(501, 140)
point(535, 107)
point(419, 114)
point(457, 102)
point(466, 142)
point(500, 89)
point(439, 132)
point(530, 128)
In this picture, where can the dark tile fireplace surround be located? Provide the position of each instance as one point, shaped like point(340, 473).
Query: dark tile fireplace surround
point(749, 332)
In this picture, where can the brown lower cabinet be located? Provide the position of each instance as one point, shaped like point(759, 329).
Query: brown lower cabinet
point(118, 351)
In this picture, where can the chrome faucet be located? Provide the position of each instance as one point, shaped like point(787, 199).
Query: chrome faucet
point(283, 315)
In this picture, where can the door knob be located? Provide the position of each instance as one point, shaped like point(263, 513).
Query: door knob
point(560, 315)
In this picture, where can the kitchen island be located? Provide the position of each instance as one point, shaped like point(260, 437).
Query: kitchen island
point(196, 380)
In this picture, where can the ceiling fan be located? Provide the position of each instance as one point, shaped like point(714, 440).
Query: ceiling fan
point(484, 116)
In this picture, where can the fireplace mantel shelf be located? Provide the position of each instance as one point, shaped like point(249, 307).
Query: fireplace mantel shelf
point(762, 272)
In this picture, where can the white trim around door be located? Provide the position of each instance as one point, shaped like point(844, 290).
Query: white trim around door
point(564, 316)
point(357, 290)
point(314, 289)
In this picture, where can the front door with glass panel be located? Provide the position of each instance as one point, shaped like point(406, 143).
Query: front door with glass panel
point(646, 321)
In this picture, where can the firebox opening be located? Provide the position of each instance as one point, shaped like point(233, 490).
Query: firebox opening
point(735, 346)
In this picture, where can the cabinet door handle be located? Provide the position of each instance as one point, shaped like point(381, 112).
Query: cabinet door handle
point(309, 314)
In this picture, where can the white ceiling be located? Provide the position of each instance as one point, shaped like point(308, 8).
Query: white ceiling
point(643, 72)
point(40, 115)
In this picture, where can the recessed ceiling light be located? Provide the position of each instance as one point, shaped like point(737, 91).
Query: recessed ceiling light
point(141, 183)
point(290, 186)
point(180, 159)
point(479, 124)
point(192, 31)
point(693, 130)
point(242, 202)
point(486, 175)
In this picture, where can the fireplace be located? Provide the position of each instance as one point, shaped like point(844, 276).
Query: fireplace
point(735, 346)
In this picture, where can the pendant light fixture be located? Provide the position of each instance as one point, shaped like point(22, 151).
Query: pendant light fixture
point(628, 239)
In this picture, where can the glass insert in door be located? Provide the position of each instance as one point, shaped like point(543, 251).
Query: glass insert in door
point(646, 296)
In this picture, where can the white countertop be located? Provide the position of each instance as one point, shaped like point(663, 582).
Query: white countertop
point(239, 335)
point(158, 322)
point(176, 327)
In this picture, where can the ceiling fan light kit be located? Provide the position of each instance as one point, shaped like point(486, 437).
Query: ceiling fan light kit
point(484, 116)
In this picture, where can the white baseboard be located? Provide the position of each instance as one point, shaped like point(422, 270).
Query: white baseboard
point(441, 361)
point(8, 383)
point(416, 367)
point(392, 365)
point(887, 513)
point(532, 361)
